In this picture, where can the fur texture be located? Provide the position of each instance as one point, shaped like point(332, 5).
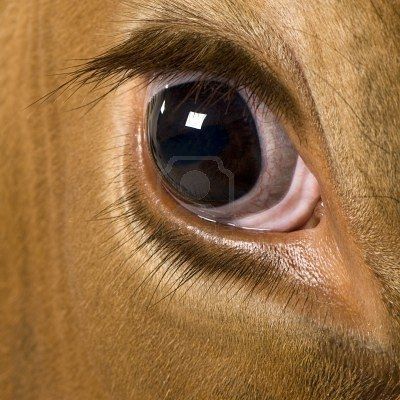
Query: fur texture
point(111, 292)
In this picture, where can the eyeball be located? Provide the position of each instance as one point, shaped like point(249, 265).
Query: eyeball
point(227, 159)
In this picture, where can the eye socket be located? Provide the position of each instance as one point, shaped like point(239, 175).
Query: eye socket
point(226, 158)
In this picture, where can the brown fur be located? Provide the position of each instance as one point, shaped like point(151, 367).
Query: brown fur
point(92, 252)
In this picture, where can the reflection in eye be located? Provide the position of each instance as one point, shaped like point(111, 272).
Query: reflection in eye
point(227, 160)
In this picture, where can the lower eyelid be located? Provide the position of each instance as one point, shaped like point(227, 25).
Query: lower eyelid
point(301, 211)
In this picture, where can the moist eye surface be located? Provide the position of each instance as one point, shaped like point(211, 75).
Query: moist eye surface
point(226, 158)
point(205, 142)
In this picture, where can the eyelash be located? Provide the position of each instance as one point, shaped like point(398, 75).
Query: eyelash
point(200, 78)
point(124, 63)
point(188, 261)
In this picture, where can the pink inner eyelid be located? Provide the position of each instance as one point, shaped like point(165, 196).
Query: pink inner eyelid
point(293, 211)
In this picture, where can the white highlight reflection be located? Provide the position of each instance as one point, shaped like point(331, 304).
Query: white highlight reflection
point(195, 120)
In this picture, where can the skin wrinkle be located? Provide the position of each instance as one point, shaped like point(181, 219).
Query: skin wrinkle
point(85, 294)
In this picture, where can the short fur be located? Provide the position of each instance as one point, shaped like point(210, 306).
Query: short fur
point(107, 294)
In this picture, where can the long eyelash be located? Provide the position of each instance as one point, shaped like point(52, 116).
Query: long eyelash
point(182, 262)
point(151, 51)
point(202, 81)
point(83, 76)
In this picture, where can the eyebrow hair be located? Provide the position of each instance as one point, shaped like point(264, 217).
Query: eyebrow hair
point(170, 40)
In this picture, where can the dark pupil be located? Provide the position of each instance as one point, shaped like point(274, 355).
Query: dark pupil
point(205, 142)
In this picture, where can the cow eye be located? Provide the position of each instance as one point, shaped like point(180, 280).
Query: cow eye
point(226, 158)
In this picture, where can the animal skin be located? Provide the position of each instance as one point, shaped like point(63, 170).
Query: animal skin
point(111, 290)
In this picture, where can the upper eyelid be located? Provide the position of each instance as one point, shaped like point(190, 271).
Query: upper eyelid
point(160, 48)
